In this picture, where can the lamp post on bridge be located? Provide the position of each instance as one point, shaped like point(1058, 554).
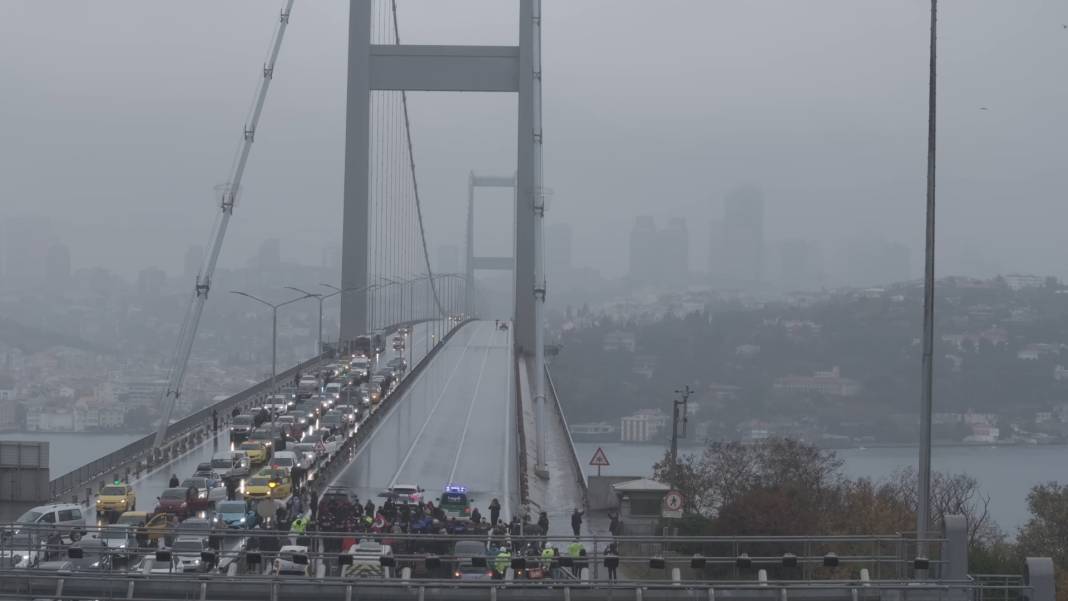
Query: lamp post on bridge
point(274, 328)
point(337, 291)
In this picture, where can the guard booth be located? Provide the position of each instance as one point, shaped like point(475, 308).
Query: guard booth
point(641, 505)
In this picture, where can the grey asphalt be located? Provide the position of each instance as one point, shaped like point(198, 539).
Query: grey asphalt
point(152, 484)
point(454, 424)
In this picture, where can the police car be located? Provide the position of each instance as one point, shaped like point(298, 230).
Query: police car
point(455, 502)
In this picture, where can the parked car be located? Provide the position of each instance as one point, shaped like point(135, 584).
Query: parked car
point(182, 502)
point(209, 490)
point(116, 498)
point(240, 428)
point(66, 516)
point(235, 514)
point(94, 557)
point(287, 564)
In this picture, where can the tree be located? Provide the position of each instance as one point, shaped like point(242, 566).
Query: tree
point(951, 494)
point(1046, 533)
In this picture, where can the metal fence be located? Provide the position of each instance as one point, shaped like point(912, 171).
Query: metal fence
point(181, 435)
point(570, 441)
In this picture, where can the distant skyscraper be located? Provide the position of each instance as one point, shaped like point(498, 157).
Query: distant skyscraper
point(57, 265)
point(194, 255)
point(643, 251)
point(150, 282)
point(558, 249)
point(674, 254)
point(743, 237)
point(715, 249)
point(269, 257)
point(875, 262)
point(800, 265)
point(447, 259)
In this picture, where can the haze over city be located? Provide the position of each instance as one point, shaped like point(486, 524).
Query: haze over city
point(120, 117)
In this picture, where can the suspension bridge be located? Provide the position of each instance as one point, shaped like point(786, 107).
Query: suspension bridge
point(477, 404)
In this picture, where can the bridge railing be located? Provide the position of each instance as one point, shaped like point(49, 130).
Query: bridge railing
point(181, 436)
point(576, 463)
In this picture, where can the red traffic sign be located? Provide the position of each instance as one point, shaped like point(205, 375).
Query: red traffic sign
point(673, 504)
point(599, 458)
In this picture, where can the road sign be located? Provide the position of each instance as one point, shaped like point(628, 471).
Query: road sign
point(599, 459)
point(673, 504)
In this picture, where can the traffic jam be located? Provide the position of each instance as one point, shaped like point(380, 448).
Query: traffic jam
point(256, 507)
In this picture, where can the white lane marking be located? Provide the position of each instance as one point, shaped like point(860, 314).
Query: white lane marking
point(365, 444)
point(470, 410)
point(508, 423)
point(430, 414)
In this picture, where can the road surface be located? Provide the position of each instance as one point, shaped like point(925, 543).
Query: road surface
point(454, 424)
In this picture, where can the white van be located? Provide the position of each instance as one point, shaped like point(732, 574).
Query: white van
point(65, 516)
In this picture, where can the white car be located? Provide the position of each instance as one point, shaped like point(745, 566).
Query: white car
point(333, 389)
point(286, 563)
point(404, 493)
point(333, 443)
point(185, 555)
point(285, 460)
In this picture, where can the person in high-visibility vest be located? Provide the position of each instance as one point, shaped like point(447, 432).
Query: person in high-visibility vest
point(504, 561)
point(547, 559)
point(299, 526)
point(575, 549)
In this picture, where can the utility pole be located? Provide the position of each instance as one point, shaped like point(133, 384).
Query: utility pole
point(923, 510)
point(685, 394)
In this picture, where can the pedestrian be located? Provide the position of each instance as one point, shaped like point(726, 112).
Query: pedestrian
point(476, 517)
point(214, 421)
point(495, 511)
point(236, 412)
point(576, 521)
point(615, 525)
point(231, 488)
point(611, 560)
point(543, 522)
point(174, 481)
point(369, 508)
point(314, 504)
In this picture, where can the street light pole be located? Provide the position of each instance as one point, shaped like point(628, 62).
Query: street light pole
point(685, 393)
point(274, 328)
point(319, 297)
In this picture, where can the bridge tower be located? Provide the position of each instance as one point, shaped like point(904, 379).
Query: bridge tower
point(471, 262)
point(436, 68)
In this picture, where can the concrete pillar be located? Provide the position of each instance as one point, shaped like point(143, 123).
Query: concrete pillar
point(955, 548)
point(524, 327)
point(355, 241)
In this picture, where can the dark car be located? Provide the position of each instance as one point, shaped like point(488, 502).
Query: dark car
point(95, 556)
point(182, 502)
point(240, 428)
point(332, 421)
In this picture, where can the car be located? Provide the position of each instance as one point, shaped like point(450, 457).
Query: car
point(229, 464)
point(120, 538)
point(404, 493)
point(269, 484)
point(333, 389)
point(116, 498)
point(66, 516)
point(464, 568)
point(25, 550)
point(256, 451)
point(240, 427)
point(265, 436)
point(207, 489)
point(367, 560)
point(332, 443)
point(196, 527)
point(333, 421)
point(284, 460)
point(208, 475)
point(85, 555)
point(291, 427)
point(360, 366)
point(307, 453)
point(185, 553)
point(155, 526)
point(182, 502)
point(351, 413)
point(455, 502)
point(235, 514)
point(277, 403)
point(307, 386)
point(292, 560)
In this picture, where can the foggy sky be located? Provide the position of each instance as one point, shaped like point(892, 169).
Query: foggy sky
point(118, 117)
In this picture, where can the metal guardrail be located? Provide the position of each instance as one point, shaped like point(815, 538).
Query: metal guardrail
point(58, 586)
point(567, 431)
point(140, 451)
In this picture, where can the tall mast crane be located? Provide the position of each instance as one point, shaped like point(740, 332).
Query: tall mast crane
point(228, 195)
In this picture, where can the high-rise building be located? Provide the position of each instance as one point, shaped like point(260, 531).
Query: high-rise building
point(447, 259)
point(674, 254)
point(57, 265)
point(269, 257)
point(743, 237)
point(643, 263)
point(150, 282)
point(194, 256)
point(558, 249)
point(800, 265)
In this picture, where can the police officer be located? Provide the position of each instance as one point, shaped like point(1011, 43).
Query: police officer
point(576, 521)
point(495, 511)
point(504, 560)
point(174, 482)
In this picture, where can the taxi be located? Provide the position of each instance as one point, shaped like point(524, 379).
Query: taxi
point(154, 526)
point(257, 452)
point(116, 497)
point(269, 484)
point(455, 502)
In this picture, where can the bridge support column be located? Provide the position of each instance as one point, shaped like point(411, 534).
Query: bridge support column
point(525, 189)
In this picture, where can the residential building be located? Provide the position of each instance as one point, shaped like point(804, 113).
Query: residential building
point(8, 415)
point(830, 383)
point(743, 237)
point(619, 341)
point(1018, 281)
point(7, 387)
point(643, 426)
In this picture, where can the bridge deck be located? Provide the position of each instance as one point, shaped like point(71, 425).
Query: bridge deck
point(150, 485)
point(455, 423)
